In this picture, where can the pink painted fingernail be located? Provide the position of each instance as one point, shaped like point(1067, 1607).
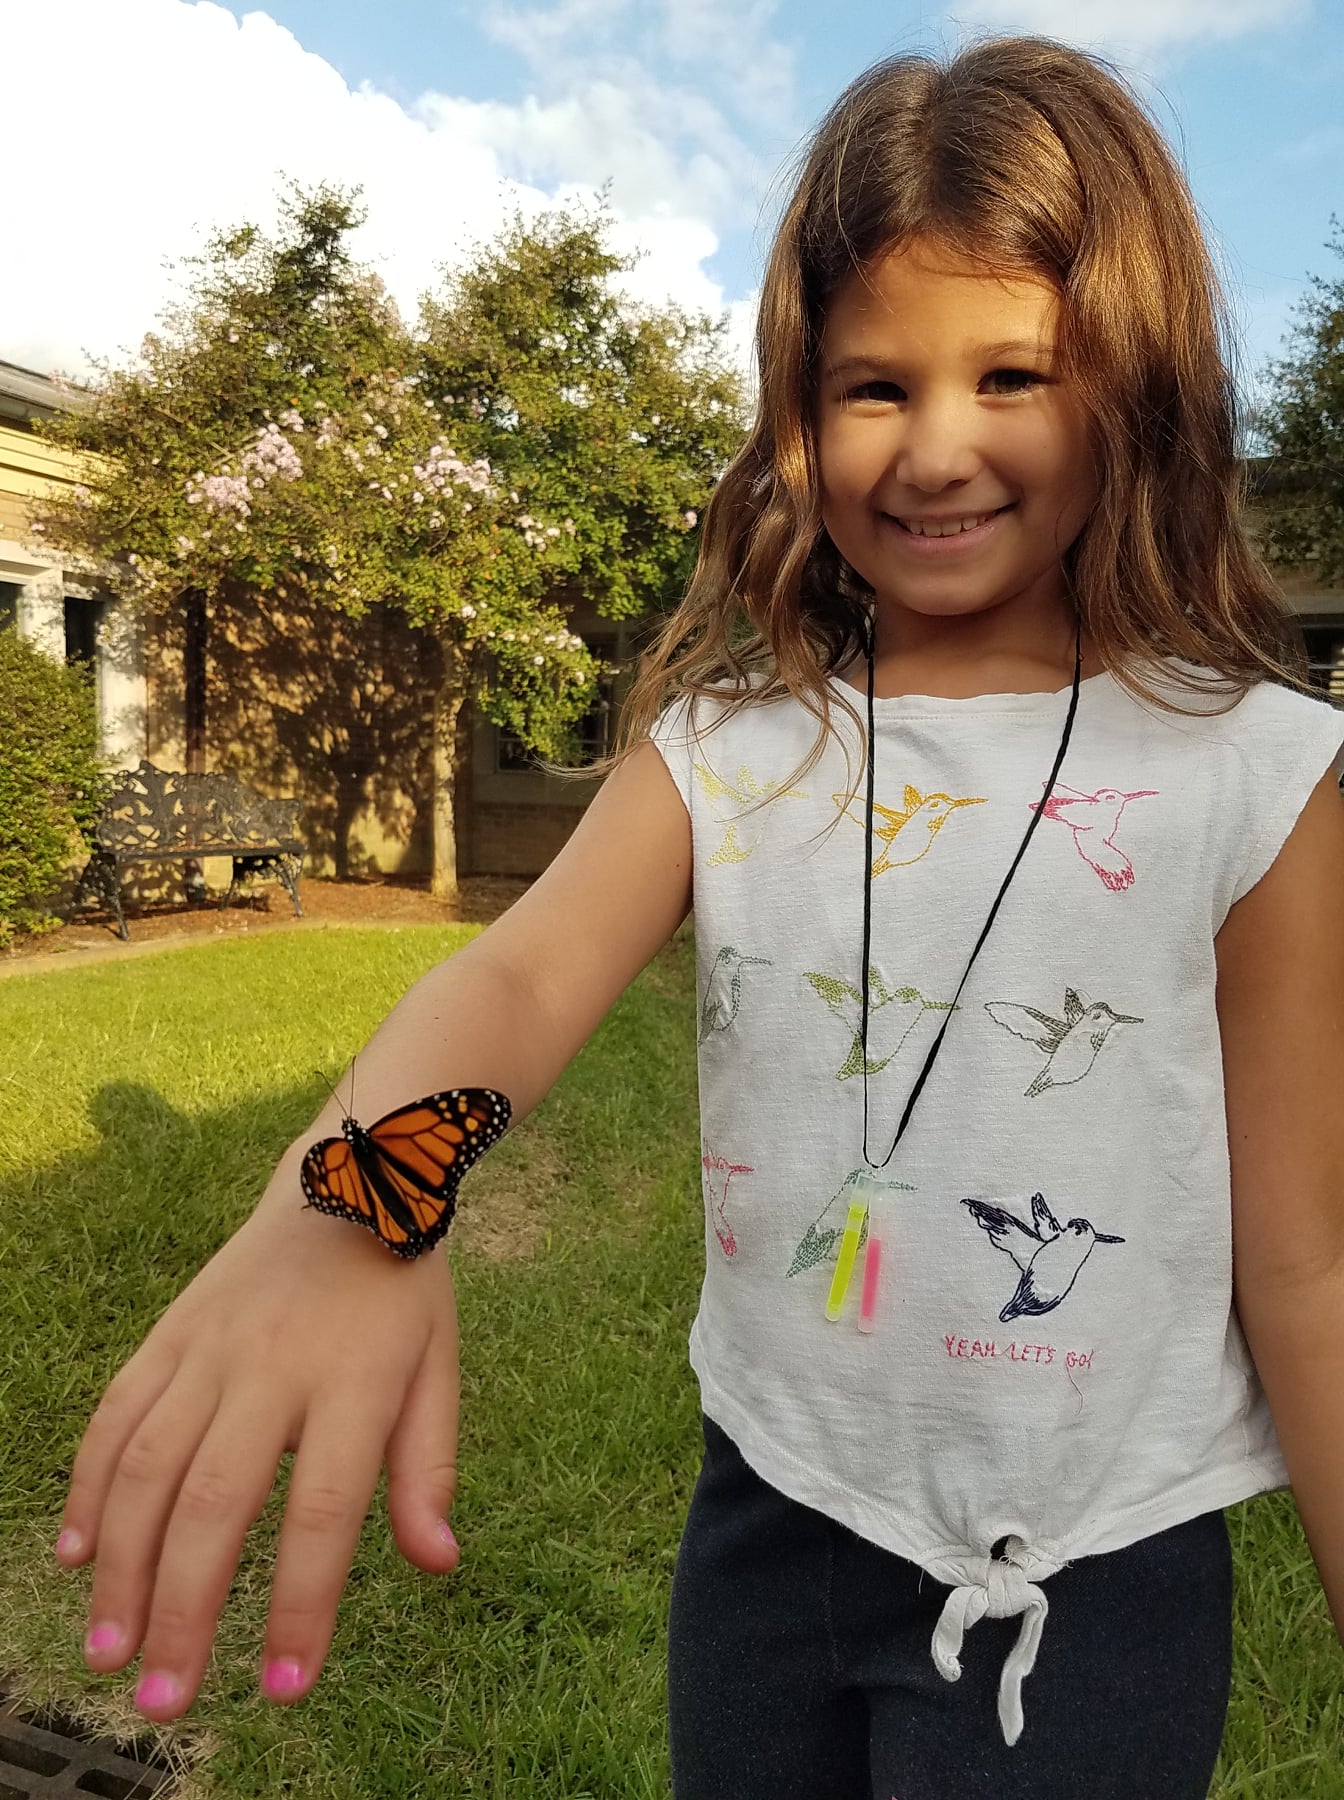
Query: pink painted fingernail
point(103, 1637)
point(446, 1533)
point(69, 1543)
point(283, 1678)
point(158, 1690)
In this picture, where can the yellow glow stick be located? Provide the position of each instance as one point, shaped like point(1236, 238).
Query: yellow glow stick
point(849, 1249)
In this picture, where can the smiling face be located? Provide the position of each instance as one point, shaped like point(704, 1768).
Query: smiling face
point(954, 456)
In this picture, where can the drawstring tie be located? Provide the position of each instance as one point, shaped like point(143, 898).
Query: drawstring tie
point(1004, 1593)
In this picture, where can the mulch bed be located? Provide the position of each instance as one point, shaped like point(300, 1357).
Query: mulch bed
point(387, 900)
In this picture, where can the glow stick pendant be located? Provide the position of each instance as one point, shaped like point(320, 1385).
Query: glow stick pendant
point(844, 1266)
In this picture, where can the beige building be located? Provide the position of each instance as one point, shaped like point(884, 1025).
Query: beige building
point(337, 711)
point(58, 605)
point(1319, 606)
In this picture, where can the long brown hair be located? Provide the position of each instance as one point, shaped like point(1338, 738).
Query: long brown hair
point(1027, 157)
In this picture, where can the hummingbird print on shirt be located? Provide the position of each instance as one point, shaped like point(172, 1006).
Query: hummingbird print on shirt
point(1048, 1255)
point(821, 1241)
point(1094, 820)
point(719, 1173)
point(723, 990)
point(905, 835)
point(893, 1014)
point(747, 792)
point(1071, 1044)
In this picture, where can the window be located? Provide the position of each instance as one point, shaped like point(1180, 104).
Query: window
point(82, 621)
point(1325, 649)
point(9, 603)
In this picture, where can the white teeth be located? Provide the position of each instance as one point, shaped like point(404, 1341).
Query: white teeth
point(943, 528)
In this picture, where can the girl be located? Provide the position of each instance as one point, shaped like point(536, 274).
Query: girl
point(1015, 869)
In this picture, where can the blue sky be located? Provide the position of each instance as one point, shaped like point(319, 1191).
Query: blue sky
point(181, 115)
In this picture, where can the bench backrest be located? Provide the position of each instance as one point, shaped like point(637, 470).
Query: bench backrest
point(156, 809)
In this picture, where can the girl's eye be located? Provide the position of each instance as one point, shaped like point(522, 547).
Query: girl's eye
point(1014, 381)
point(886, 391)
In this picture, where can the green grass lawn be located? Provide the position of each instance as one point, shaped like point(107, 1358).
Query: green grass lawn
point(142, 1109)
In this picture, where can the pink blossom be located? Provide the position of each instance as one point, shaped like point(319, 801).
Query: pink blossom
point(221, 493)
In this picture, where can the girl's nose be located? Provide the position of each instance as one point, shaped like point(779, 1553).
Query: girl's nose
point(937, 447)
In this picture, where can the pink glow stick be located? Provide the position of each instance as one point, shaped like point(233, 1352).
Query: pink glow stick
point(872, 1265)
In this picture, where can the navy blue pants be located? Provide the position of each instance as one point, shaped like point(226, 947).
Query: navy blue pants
point(799, 1664)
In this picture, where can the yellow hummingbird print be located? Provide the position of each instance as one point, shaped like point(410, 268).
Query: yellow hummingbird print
point(746, 792)
point(910, 830)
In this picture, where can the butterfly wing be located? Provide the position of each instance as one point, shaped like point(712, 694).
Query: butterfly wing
point(334, 1182)
point(424, 1149)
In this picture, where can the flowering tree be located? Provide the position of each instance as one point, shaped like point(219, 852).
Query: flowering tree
point(276, 443)
point(287, 442)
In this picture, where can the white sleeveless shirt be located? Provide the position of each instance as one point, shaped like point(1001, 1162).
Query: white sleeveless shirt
point(1054, 1358)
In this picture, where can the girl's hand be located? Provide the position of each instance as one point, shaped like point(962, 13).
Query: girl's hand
point(301, 1334)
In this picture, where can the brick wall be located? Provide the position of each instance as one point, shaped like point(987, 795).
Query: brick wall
point(516, 839)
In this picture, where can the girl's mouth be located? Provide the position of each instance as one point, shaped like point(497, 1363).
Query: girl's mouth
point(946, 536)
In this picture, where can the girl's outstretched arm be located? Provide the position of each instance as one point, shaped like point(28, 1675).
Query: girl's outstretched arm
point(1281, 1011)
point(304, 1334)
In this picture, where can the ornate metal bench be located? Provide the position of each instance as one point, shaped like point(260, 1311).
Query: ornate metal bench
point(157, 815)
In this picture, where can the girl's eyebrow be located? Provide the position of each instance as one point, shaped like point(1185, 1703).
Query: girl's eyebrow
point(875, 361)
point(1018, 347)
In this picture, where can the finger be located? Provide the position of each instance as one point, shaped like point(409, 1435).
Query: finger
point(330, 1490)
point(132, 1393)
point(422, 1458)
point(220, 1496)
point(139, 1502)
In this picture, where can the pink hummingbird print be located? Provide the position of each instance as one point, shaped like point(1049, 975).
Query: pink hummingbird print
point(1094, 820)
point(718, 1173)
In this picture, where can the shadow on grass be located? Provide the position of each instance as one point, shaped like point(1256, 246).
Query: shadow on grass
point(537, 1667)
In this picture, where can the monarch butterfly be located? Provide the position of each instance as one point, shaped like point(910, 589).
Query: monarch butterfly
point(399, 1177)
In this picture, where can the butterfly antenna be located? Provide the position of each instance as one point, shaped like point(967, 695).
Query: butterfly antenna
point(331, 1090)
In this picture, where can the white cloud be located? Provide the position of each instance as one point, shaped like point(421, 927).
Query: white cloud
point(1134, 26)
point(175, 118)
point(729, 49)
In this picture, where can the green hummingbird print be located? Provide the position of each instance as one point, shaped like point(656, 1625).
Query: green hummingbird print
point(893, 1013)
point(821, 1241)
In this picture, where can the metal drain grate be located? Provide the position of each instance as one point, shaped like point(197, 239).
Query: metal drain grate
point(45, 1757)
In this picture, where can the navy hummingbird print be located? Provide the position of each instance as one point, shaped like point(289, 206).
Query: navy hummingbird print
point(1048, 1255)
point(1071, 1044)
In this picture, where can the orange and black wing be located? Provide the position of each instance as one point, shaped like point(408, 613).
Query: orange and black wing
point(426, 1148)
point(334, 1183)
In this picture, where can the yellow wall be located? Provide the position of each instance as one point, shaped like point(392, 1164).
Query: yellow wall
point(28, 470)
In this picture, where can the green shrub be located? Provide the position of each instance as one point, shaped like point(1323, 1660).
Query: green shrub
point(51, 781)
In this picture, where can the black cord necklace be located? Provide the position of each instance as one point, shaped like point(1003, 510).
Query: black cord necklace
point(1036, 818)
